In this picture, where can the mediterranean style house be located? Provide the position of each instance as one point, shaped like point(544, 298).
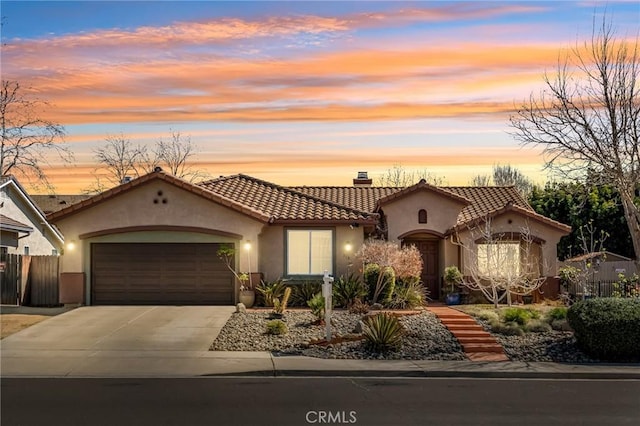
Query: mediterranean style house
point(154, 240)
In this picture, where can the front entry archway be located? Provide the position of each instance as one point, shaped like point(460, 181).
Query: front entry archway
point(430, 277)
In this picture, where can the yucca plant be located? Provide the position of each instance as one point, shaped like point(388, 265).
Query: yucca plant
point(270, 291)
point(304, 292)
point(346, 290)
point(383, 332)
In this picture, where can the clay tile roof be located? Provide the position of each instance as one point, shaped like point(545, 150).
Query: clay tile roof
point(359, 198)
point(487, 199)
point(285, 204)
point(9, 223)
point(195, 189)
point(53, 203)
point(483, 200)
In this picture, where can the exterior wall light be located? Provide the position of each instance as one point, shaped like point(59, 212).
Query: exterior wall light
point(71, 245)
point(348, 247)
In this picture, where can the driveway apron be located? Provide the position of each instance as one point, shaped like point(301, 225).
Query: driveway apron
point(124, 328)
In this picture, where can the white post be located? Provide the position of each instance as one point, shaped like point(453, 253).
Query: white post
point(327, 292)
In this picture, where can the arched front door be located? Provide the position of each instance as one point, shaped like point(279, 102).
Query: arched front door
point(429, 250)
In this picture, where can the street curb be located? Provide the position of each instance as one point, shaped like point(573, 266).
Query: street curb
point(587, 375)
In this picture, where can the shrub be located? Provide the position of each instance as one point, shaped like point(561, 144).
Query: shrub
point(537, 326)
point(371, 273)
point(383, 332)
point(487, 315)
point(561, 325)
point(276, 327)
point(508, 329)
point(607, 328)
point(556, 314)
point(303, 292)
point(270, 291)
point(359, 307)
point(518, 315)
point(347, 289)
point(316, 303)
point(408, 294)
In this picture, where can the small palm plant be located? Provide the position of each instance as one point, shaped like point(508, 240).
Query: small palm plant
point(383, 332)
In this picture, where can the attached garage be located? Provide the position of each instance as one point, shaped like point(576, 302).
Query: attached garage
point(159, 274)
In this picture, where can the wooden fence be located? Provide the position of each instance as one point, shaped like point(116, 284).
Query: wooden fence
point(30, 280)
point(10, 272)
point(608, 271)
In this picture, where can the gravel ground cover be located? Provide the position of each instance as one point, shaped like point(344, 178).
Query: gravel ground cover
point(426, 337)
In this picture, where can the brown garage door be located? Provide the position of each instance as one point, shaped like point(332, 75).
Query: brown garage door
point(154, 273)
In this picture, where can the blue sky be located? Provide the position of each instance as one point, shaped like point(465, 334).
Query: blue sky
point(298, 92)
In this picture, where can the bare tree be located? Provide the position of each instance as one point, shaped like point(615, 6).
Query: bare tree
point(506, 175)
point(587, 118)
point(502, 264)
point(175, 155)
point(27, 137)
point(397, 176)
point(119, 158)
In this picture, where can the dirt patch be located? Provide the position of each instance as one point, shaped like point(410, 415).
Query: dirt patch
point(12, 323)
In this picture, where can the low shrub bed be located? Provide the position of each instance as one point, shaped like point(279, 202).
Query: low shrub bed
point(608, 328)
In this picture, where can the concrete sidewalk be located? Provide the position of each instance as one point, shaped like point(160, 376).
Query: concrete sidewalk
point(142, 364)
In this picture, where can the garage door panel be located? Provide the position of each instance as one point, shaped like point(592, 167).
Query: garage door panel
point(154, 273)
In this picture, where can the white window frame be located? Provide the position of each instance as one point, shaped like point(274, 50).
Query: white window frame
point(497, 255)
point(311, 270)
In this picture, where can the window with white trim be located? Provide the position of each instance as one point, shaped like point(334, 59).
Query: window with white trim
point(502, 257)
point(309, 251)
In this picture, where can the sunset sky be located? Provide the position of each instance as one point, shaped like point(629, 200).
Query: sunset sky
point(298, 93)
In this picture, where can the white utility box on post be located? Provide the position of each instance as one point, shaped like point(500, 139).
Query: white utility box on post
point(327, 292)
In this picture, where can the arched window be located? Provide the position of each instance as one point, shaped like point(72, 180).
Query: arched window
point(422, 216)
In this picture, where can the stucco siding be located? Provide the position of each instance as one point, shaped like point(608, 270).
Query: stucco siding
point(514, 223)
point(40, 241)
point(402, 214)
point(273, 250)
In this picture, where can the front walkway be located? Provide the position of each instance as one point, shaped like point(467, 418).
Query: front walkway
point(478, 345)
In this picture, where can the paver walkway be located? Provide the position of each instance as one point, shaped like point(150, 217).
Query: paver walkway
point(478, 345)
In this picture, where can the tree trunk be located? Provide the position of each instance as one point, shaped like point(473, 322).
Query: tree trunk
point(632, 215)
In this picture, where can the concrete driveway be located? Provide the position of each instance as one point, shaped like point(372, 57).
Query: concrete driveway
point(124, 328)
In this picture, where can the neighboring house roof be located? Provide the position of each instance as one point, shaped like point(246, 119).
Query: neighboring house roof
point(285, 204)
point(608, 256)
point(13, 225)
point(8, 181)
point(53, 203)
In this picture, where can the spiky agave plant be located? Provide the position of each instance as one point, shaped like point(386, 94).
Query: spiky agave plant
point(383, 332)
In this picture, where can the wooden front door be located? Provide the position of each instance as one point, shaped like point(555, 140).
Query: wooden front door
point(430, 274)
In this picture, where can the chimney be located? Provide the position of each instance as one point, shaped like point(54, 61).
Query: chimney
point(362, 180)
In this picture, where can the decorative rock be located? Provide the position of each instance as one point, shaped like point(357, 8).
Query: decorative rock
point(241, 309)
point(376, 307)
point(359, 328)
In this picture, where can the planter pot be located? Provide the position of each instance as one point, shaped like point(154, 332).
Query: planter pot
point(247, 297)
point(452, 299)
point(527, 300)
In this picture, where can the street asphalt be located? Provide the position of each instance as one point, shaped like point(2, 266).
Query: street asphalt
point(165, 342)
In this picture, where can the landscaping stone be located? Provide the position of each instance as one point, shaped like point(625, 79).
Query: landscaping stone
point(241, 308)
